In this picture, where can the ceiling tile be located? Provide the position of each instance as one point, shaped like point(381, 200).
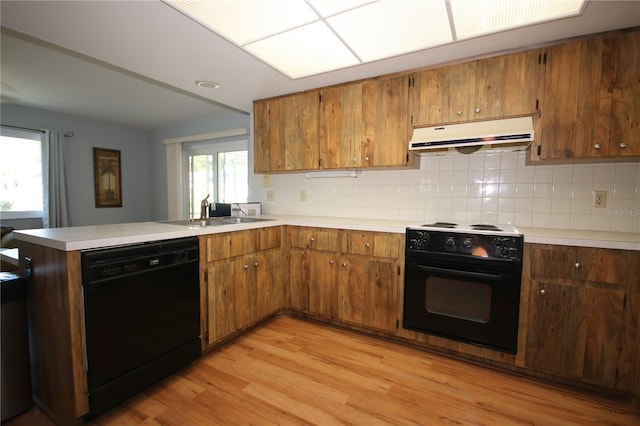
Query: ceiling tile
point(330, 7)
point(474, 18)
point(245, 21)
point(304, 51)
point(393, 27)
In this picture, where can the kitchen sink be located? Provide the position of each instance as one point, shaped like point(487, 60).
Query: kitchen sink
point(215, 221)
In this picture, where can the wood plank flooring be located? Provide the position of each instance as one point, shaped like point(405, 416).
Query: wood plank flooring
point(294, 372)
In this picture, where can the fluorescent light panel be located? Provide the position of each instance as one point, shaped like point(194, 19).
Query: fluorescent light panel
point(301, 38)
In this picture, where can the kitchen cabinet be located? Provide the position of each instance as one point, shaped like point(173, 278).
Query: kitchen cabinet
point(355, 125)
point(242, 274)
point(578, 324)
point(498, 87)
point(386, 122)
point(340, 126)
point(594, 113)
point(349, 276)
point(286, 133)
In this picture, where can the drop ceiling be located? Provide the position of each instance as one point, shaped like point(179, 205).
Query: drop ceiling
point(136, 62)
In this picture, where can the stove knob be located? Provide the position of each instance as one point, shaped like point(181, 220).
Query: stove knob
point(497, 242)
point(467, 243)
point(505, 251)
point(450, 242)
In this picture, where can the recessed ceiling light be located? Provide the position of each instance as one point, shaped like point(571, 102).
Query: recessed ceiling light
point(207, 84)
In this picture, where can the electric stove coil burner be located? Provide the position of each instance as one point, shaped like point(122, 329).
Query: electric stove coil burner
point(441, 225)
point(483, 227)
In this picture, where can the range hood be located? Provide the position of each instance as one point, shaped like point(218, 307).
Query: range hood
point(504, 132)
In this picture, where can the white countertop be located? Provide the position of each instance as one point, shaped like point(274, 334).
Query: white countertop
point(88, 237)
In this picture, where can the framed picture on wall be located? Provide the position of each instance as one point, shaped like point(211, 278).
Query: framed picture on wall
point(107, 177)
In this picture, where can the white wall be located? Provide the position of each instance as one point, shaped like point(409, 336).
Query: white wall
point(79, 163)
point(483, 187)
point(157, 153)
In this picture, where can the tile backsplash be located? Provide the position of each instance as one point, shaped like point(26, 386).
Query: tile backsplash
point(483, 187)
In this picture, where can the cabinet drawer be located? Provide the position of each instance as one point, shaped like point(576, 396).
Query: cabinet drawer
point(374, 244)
point(269, 238)
point(316, 239)
point(230, 244)
point(580, 263)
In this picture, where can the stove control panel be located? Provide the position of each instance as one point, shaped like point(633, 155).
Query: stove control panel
point(480, 245)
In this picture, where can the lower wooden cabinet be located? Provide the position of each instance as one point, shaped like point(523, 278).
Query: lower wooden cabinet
point(242, 276)
point(578, 313)
point(330, 276)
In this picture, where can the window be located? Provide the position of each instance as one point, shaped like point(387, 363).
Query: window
point(217, 169)
point(21, 185)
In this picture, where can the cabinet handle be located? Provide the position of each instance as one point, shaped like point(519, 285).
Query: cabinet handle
point(367, 245)
point(578, 265)
point(288, 163)
point(256, 264)
point(478, 110)
point(623, 145)
point(353, 160)
point(597, 146)
point(344, 264)
point(312, 239)
point(366, 158)
point(246, 266)
point(331, 262)
point(543, 292)
point(459, 112)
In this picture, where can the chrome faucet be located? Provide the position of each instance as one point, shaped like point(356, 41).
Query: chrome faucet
point(204, 206)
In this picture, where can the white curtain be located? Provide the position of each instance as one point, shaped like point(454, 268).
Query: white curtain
point(56, 211)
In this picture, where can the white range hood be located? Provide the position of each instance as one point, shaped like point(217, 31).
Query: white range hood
point(509, 131)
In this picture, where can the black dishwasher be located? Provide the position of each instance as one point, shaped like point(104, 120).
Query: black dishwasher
point(142, 317)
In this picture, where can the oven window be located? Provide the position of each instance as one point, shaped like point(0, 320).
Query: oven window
point(467, 300)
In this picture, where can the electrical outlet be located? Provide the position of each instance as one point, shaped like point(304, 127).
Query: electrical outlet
point(266, 181)
point(599, 199)
point(303, 195)
point(271, 195)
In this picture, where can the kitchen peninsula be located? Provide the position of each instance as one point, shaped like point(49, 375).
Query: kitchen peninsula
point(291, 244)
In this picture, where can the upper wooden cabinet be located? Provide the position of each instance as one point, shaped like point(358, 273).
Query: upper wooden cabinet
point(386, 125)
point(624, 139)
point(365, 124)
point(356, 125)
point(502, 86)
point(591, 101)
point(340, 126)
point(286, 133)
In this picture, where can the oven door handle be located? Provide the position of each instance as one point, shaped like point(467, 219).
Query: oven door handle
point(466, 274)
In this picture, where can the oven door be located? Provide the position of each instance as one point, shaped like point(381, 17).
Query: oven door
point(474, 300)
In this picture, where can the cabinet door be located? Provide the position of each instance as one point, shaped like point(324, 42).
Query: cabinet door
point(576, 107)
point(340, 126)
point(298, 124)
point(625, 126)
point(506, 86)
point(265, 134)
point(575, 331)
point(286, 133)
point(232, 296)
point(385, 115)
point(298, 291)
point(267, 265)
point(323, 284)
point(442, 95)
point(367, 292)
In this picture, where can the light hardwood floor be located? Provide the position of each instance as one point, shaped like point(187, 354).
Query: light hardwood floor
point(294, 372)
